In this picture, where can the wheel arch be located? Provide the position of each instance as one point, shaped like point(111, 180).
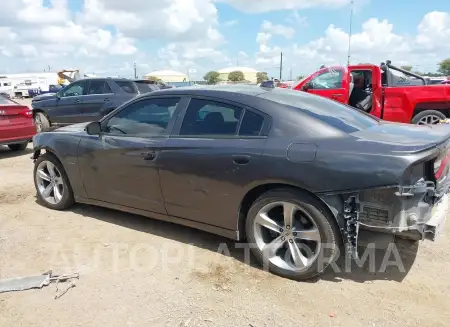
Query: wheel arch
point(334, 204)
point(443, 106)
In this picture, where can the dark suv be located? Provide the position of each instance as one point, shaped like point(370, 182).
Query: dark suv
point(83, 101)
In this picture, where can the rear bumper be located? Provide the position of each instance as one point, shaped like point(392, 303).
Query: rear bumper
point(17, 135)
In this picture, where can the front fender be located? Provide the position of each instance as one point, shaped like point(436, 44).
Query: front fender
point(65, 147)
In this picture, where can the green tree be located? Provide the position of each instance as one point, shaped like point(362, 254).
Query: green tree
point(406, 67)
point(444, 67)
point(236, 76)
point(261, 77)
point(300, 77)
point(212, 77)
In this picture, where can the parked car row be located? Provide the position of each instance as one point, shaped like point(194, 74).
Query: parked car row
point(295, 174)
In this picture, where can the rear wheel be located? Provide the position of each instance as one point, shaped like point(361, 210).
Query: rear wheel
point(292, 234)
point(18, 147)
point(52, 184)
point(42, 122)
point(428, 117)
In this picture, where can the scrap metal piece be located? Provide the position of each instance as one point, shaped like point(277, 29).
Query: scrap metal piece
point(24, 283)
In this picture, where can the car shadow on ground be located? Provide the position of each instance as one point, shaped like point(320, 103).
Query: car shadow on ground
point(6, 153)
point(374, 264)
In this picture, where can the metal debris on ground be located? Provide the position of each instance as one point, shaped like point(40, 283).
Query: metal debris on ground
point(38, 282)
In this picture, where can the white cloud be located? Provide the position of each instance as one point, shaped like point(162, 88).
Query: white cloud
point(260, 6)
point(275, 29)
point(295, 19)
point(230, 23)
point(375, 42)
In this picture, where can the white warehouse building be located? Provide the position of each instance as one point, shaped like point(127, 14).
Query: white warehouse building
point(249, 73)
point(169, 76)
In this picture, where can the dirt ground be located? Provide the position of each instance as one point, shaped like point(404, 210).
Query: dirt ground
point(136, 271)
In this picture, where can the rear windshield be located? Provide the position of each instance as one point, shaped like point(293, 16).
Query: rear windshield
point(6, 102)
point(144, 87)
point(127, 86)
point(340, 116)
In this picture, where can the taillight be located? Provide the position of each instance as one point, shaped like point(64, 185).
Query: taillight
point(27, 113)
point(441, 165)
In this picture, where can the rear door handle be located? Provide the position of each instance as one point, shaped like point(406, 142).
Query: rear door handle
point(106, 100)
point(241, 160)
point(77, 101)
point(149, 155)
point(336, 95)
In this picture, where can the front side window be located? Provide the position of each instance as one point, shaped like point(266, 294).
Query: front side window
point(330, 79)
point(75, 89)
point(149, 117)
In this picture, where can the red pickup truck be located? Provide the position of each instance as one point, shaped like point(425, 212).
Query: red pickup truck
point(385, 91)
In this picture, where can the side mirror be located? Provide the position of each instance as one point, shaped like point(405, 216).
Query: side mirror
point(93, 128)
point(306, 87)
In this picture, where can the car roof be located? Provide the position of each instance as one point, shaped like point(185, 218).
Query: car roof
point(114, 79)
point(214, 90)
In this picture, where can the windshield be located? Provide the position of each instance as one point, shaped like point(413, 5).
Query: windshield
point(340, 116)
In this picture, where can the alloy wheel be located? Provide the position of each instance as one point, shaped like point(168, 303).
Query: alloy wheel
point(287, 236)
point(50, 183)
point(429, 120)
point(38, 122)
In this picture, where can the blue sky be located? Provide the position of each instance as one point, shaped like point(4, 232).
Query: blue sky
point(108, 36)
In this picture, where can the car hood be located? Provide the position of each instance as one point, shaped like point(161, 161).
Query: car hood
point(405, 137)
point(44, 96)
point(75, 128)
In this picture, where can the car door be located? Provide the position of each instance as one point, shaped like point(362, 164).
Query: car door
point(120, 165)
point(213, 153)
point(68, 108)
point(98, 97)
point(330, 83)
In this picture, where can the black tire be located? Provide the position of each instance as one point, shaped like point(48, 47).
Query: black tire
point(18, 147)
point(67, 197)
point(425, 113)
point(324, 220)
point(42, 122)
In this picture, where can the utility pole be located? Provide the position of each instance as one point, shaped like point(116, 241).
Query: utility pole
point(135, 71)
point(350, 33)
point(281, 66)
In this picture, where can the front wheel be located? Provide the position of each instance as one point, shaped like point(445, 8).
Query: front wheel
point(292, 233)
point(18, 147)
point(428, 117)
point(52, 184)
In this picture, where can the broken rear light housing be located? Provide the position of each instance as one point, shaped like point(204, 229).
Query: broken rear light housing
point(441, 165)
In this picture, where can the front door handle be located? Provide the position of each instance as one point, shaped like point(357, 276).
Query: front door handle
point(77, 101)
point(106, 100)
point(150, 155)
point(336, 95)
point(241, 160)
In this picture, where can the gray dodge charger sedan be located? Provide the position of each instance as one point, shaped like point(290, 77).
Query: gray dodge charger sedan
point(294, 174)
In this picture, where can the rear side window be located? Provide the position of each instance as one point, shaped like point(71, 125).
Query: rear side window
point(252, 124)
point(127, 86)
point(96, 87)
point(207, 117)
